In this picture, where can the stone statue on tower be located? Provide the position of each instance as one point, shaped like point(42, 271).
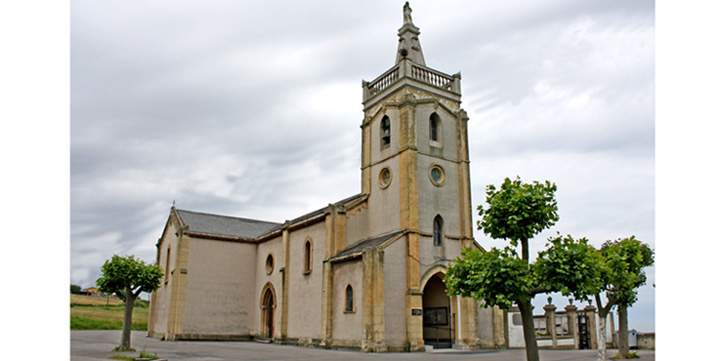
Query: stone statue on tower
point(407, 17)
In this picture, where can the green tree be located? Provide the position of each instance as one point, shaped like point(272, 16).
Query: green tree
point(128, 277)
point(569, 266)
point(574, 268)
point(516, 212)
point(623, 273)
point(75, 289)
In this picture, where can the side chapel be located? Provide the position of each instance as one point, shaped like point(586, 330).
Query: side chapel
point(365, 272)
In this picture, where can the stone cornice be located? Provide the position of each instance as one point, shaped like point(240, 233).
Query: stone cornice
point(413, 84)
point(416, 101)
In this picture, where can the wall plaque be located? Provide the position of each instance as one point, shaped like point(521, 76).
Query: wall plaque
point(417, 311)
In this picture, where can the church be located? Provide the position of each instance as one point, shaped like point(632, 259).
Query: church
point(365, 272)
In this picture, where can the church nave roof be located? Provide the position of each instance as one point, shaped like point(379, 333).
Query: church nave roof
point(219, 225)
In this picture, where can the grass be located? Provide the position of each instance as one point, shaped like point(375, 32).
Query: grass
point(148, 355)
point(94, 300)
point(89, 313)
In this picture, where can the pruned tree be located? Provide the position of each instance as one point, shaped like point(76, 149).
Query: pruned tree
point(516, 212)
point(603, 311)
point(128, 277)
point(574, 268)
point(570, 266)
point(623, 273)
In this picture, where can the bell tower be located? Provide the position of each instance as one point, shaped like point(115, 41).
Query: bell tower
point(414, 143)
point(415, 165)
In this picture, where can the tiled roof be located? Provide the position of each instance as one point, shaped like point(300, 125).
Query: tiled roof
point(317, 212)
point(226, 226)
point(322, 210)
point(368, 243)
point(215, 224)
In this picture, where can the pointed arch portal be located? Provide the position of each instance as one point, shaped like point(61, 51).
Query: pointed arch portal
point(267, 310)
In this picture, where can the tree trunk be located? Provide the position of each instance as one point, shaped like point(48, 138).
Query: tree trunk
point(127, 323)
point(525, 249)
point(623, 331)
point(531, 349)
point(602, 339)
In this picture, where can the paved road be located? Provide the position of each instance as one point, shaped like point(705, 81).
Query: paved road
point(97, 345)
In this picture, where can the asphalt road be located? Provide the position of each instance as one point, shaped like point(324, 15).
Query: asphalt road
point(98, 345)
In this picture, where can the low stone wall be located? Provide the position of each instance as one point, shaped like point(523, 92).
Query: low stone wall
point(646, 341)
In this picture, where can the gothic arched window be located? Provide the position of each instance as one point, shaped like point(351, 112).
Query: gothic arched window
point(434, 127)
point(167, 265)
point(437, 230)
point(308, 257)
point(385, 131)
point(349, 299)
point(269, 264)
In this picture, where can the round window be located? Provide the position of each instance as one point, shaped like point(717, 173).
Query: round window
point(384, 178)
point(269, 264)
point(437, 175)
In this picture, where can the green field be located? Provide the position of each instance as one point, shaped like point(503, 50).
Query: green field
point(93, 313)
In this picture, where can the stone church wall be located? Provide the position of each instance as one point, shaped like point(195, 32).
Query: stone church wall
point(448, 132)
point(435, 200)
point(274, 247)
point(161, 305)
point(357, 224)
point(377, 152)
point(384, 204)
point(305, 289)
point(395, 288)
point(220, 288)
point(484, 326)
point(347, 326)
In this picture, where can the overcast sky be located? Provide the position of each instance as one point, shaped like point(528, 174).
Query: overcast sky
point(253, 109)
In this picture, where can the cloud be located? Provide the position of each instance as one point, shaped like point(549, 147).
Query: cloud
point(253, 109)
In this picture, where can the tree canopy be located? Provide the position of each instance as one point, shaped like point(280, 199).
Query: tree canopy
point(127, 277)
point(497, 277)
point(518, 211)
point(75, 289)
point(569, 266)
point(622, 274)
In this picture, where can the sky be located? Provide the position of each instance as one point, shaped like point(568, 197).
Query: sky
point(253, 109)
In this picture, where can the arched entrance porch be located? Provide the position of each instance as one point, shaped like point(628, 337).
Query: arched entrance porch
point(437, 313)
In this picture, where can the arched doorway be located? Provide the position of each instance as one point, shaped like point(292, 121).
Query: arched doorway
point(267, 308)
point(437, 313)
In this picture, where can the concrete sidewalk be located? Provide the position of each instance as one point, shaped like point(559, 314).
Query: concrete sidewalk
point(98, 345)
